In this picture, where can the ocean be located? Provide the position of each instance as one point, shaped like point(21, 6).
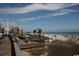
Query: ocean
point(62, 35)
point(66, 33)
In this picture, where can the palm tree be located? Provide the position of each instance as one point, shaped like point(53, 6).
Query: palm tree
point(17, 31)
point(0, 27)
point(22, 32)
point(34, 31)
point(2, 30)
point(39, 32)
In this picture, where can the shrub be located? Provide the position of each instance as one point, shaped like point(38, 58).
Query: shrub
point(63, 48)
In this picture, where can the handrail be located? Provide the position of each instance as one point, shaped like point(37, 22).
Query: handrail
point(31, 47)
point(15, 50)
point(13, 53)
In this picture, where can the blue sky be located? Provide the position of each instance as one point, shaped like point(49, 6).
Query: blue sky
point(55, 17)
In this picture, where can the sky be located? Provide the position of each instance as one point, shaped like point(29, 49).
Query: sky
point(50, 17)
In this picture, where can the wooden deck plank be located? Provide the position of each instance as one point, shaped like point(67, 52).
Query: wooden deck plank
point(5, 47)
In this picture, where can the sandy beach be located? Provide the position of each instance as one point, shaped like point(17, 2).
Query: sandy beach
point(61, 37)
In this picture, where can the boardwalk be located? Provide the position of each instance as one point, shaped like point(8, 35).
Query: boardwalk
point(5, 47)
point(9, 47)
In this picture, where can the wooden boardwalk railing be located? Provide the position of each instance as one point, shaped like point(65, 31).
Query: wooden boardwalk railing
point(15, 50)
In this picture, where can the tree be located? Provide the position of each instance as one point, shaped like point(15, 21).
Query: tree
point(39, 32)
point(22, 32)
point(0, 27)
point(34, 31)
point(2, 30)
point(17, 31)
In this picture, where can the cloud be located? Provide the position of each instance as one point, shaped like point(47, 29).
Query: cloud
point(64, 11)
point(35, 7)
point(58, 13)
point(31, 18)
point(28, 19)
